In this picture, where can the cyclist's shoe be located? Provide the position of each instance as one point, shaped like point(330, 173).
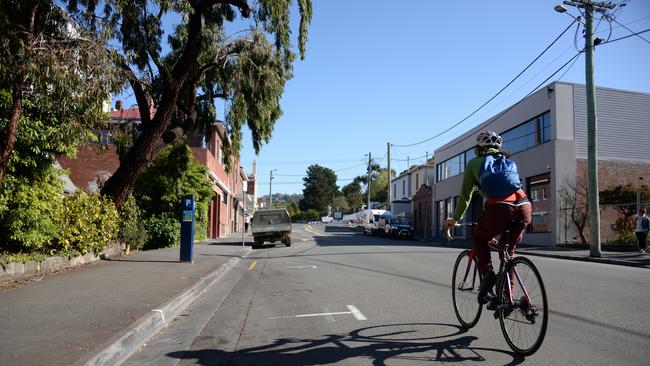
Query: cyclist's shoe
point(484, 295)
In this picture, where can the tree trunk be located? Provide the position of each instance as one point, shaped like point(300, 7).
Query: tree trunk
point(145, 149)
point(10, 134)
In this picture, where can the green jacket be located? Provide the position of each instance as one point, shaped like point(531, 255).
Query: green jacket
point(470, 180)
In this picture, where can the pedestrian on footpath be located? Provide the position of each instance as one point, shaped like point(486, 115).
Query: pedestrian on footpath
point(247, 223)
point(642, 228)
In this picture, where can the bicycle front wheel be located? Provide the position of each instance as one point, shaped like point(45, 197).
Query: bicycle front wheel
point(465, 283)
point(522, 309)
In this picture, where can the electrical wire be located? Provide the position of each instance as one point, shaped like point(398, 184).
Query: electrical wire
point(494, 96)
point(631, 31)
point(624, 37)
point(526, 96)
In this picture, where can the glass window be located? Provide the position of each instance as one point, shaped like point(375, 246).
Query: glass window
point(404, 187)
point(539, 190)
point(546, 127)
point(394, 190)
point(469, 155)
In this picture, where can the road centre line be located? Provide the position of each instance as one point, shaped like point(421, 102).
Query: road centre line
point(250, 268)
point(353, 310)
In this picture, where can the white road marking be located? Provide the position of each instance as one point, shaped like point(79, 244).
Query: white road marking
point(353, 310)
point(357, 314)
point(301, 267)
point(308, 228)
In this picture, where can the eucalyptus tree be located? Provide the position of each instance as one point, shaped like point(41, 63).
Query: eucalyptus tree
point(198, 64)
point(53, 72)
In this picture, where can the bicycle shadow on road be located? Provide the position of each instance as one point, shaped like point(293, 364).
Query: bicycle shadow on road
point(381, 344)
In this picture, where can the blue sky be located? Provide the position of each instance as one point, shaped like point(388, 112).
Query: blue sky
point(380, 71)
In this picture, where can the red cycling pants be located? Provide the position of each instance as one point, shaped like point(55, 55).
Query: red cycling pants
point(493, 222)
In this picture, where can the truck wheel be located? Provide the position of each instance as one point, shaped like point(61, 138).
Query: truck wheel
point(287, 242)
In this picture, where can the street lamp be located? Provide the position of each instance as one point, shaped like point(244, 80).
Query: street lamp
point(270, 185)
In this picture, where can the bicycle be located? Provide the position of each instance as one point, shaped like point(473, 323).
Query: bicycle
point(521, 305)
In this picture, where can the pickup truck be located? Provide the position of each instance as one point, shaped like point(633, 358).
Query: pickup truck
point(271, 225)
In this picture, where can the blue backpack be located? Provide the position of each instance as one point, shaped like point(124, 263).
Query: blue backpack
point(498, 176)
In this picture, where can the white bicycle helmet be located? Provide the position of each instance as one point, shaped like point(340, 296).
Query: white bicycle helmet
point(488, 139)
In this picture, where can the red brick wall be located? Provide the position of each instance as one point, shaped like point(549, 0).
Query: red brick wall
point(89, 163)
point(612, 174)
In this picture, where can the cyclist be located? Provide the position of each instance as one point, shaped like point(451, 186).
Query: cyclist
point(506, 204)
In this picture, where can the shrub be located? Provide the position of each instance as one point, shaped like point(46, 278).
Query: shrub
point(312, 214)
point(175, 174)
point(132, 231)
point(28, 211)
point(88, 223)
point(626, 238)
point(163, 231)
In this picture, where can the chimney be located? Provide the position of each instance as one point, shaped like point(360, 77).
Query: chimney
point(118, 105)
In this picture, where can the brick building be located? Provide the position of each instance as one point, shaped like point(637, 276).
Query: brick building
point(547, 134)
point(226, 210)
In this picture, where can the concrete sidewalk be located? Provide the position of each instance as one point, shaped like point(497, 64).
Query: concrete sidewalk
point(98, 313)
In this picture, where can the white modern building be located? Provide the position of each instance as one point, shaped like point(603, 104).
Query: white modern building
point(547, 135)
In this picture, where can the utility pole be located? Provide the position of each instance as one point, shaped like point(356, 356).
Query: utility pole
point(592, 151)
point(270, 184)
point(369, 166)
point(390, 185)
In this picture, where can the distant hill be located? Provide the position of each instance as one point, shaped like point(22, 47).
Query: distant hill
point(282, 199)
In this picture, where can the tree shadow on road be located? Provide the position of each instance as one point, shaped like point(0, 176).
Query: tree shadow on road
point(410, 343)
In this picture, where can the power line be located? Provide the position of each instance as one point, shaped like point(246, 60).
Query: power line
point(495, 95)
point(527, 95)
point(628, 36)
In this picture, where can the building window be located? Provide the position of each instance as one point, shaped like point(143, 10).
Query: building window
point(538, 191)
point(528, 134)
point(403, 187)
point(394, 190)
point(224, 198)
point(450, 167)
point(417, 181)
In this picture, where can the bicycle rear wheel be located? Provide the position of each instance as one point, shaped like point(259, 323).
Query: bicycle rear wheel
point(524, 320)
point(465, 283)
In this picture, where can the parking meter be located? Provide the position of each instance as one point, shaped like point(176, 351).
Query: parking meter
point(187, 229)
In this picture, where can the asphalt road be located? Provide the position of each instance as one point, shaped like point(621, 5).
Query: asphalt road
point(339, 298)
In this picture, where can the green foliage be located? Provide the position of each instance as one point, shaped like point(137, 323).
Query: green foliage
point(353, 194)
point(340, 203)
point(163, 232)
point(320, 188)
point(173, 175)
point(21, 258)
point(87, 223)
point(379, 185)
point(626, 238)
point(293, 210)
point(132, 230)
point(29, 209)
point(311, 214)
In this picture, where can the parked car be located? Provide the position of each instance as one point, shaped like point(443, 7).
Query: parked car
point(399, 226)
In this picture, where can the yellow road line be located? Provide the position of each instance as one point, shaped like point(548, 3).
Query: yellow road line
point(250, 268)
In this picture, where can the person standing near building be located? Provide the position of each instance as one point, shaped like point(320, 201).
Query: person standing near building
point(247, 223)
point(642, 228)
